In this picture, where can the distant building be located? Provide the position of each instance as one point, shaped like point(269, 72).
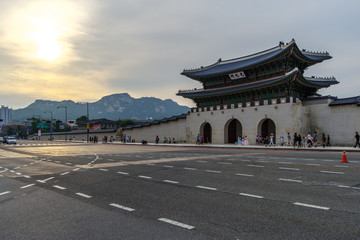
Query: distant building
point(5, 115)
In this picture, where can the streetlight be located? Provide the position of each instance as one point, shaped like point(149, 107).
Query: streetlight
point(51, 123)
point(65, 120)
point(87, 122)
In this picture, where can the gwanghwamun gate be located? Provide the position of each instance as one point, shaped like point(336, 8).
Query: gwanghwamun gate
point(263, 93)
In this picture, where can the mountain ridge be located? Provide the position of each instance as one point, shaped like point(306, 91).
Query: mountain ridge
point(114, 107)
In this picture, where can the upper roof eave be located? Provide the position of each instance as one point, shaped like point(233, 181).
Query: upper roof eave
point(238, 64)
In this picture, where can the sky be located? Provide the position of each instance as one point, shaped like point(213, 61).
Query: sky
point(82, 50)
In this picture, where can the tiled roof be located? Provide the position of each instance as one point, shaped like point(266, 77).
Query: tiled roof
point(155, 122)
point(346, 101)
point(237, 64)
point(258, 84)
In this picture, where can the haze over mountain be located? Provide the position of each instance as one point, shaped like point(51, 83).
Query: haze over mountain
point(113, 107)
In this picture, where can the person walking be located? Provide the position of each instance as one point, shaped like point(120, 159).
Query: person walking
point(271, 140)
point(357, 138)
point(323, 140)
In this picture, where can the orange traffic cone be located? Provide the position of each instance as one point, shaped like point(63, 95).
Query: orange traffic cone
point(344, 158)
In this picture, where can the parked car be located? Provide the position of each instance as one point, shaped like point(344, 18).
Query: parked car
point(10, 140)
point(2, 140)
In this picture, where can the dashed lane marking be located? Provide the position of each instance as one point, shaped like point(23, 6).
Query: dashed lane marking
point(191, 169)
point(212, 171)
point(146, 177)
point(250, 195)
point(259, 166)
point(83, 195)
point(290, 180)
point(179, 224)
point(59, 187)
point(244, 175)
point(290, 169)
point(168, 166)
point(313, 164)
point(330, 172)
point(225, 163)
point(104, 170)
point(76, 169)
point(169, 181)
point(3, 193)
point(62, 174)
point(206, 188)
point(311, 206)
point(30, 185)
point(341, 166)
point(122, 207)
point(123, 173)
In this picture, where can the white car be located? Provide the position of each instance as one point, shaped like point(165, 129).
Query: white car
point(11, 140)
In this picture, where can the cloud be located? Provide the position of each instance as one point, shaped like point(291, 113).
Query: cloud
point(141, 47)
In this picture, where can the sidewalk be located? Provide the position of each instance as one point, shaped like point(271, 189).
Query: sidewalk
point(236, 146)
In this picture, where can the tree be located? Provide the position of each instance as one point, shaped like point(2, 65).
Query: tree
point(125, 123)
point(82, 119)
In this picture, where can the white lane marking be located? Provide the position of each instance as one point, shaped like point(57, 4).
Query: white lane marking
point(123, 173)
point(16, 168)
point(83, 195)
point(192, 169)
point(26, 176)
point(168, 166)
point(59, 187)
point(179, 224)
point(343, 186)
point(341, 166)
point(76, 169)
point(250, 195)
point(313, 164)
point(212, 171)
point(207, 188)
point(64, 173)
point(25, 165)
point(225, 163)
point(122, 207)
point(290, 180)
point(18, 173)
point(111, 160)
point(146, 177)
point(31, 163)
point(311, 206)
point(169, 181)
point(328, 160)
point(244, 175)
point(330, 172)
point(57, 161)
point(3, 193)
point(68, 163)
point(356, 188)
point(259, 166)
point(30, 185)
point(291, 158)
point(5, 169)
point(45, 180)
point(103, 169)
point(291, 169)
point(309, 159)
point(151, 164)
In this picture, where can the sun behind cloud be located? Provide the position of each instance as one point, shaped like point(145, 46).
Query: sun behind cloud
point(46, 40)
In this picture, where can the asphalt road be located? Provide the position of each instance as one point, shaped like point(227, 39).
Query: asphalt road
point(104, 191)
